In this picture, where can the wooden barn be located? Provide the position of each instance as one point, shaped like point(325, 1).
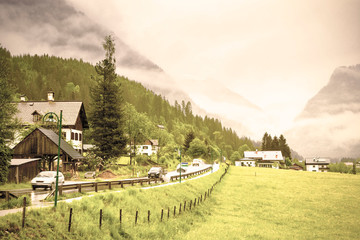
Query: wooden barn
point(43, 143)
point(23, 170)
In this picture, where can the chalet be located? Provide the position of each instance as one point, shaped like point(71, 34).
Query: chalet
point(74, 119)
point(149, 147)
point(43, 143)
point(266, 159)
point(317, 164)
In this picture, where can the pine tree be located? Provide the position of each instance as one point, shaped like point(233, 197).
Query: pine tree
point(284, 147)
point(106, 115)
point(189, 138)
point(7, 111)
point(275, 144)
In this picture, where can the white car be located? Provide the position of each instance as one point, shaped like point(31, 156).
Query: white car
point(47, 179)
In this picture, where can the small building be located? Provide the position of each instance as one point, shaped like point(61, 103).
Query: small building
point(23, 170)
point(74, 119)
point(266, 159)
point(296, 167)
point(246, 162)
point(317, 164)
point(149, 147)
point(43, 143)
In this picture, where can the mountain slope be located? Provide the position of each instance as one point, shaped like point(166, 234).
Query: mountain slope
point(329, 124)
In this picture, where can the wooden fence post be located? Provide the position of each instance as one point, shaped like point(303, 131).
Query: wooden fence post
point(96, 187)
point(174, 210)
point(180, 209)
point(136, 217)
point(184, 206)
point(162, 214)
point(60, 190)
point(120, 216)
point(23, 216)
point(195, 203)
point(109, 185)
point(132, 182)
point(69, 227)
point(100, 222)
point(79, 188)
point(122, 184)
point(148, 216)
point(7, 196)
point(168, 212)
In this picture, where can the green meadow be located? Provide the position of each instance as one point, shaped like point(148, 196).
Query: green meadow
point(249, 203)
point(258, 203)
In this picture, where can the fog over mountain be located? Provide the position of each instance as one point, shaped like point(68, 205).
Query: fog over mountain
point(55, 27)
point(329, 124)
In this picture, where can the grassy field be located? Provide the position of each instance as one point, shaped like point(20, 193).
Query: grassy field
point(280, 204)
point(273, 204)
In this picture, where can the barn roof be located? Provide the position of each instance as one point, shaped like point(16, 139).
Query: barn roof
point(21, 161)
point(64, 146)
point(71, 111)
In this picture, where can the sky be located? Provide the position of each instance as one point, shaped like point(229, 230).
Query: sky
point(254, 64)
point(276, 54)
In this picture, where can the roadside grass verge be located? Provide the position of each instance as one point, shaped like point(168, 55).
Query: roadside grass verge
point(14, 202)
point(12, 186)
point(49, 223)
point(279, 204)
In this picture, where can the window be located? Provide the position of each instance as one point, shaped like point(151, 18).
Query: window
point(145, 147)
point(76, 136)
point(36, 117)
point(72, 136)
point(80, 135)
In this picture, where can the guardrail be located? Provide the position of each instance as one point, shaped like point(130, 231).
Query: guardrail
point(108, 184)
point(186, 175)
point(7, 195)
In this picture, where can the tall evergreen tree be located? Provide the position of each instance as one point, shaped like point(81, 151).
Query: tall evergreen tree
point(284, 147)
point(188, 139)
point(275, 144)
point(106, 114)
point(7, 111)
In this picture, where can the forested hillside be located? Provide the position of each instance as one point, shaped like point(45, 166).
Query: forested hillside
point(71, 79)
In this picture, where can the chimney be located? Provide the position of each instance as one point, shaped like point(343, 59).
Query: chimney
point(51, 96)
point(22, 98)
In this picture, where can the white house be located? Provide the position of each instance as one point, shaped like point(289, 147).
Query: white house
point(317, 164)
point(149, 147)
point(74, 119)
point(245, 162)
point(267, 159)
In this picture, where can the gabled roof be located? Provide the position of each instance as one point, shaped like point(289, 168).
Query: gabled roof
point(154, 142)
point(64, 146)
point(264, 155)
point(71, 111)
point(317, 161)
point(21, 161)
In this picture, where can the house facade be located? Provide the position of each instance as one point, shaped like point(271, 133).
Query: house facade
point(266, 159)
point(245, 162)
point(74, 119)
point(149, 147)
point(317, 164)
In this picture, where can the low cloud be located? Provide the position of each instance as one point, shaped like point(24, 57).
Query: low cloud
point(328, 135)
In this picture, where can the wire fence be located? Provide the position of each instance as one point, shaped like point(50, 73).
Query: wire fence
point(73, 220)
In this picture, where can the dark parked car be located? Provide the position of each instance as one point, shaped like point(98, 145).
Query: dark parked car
point(156, 172)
